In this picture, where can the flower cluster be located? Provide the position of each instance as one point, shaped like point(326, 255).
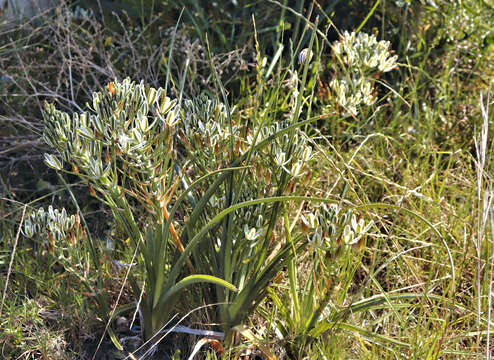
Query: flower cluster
point(359, 59)
point(284, 154)
point(363, 53)
point(205, 134)
point(352, 93)
point(330, 225)
point(54, 224)
point(129, 126)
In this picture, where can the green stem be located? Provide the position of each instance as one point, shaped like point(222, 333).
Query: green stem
point(292, 270)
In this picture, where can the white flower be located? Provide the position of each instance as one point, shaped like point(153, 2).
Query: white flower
point(317, 239)
point(296, 167)
point(252, 235)
point(388, 64)
point(312, 221)
point(349, 236)
point(279, 159)
point(307, 154)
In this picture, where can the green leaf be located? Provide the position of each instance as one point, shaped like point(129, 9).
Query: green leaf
point(114, 339)
point(190, 280)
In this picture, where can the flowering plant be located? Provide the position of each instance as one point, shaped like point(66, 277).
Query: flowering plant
point(123, 149)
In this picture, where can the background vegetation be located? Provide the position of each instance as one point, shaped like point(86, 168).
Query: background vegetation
point(399, 266)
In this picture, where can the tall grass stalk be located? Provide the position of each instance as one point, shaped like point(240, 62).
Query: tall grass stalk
point(12, 256)
point(485, 197)
point(489, 290)
point(484, 200)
